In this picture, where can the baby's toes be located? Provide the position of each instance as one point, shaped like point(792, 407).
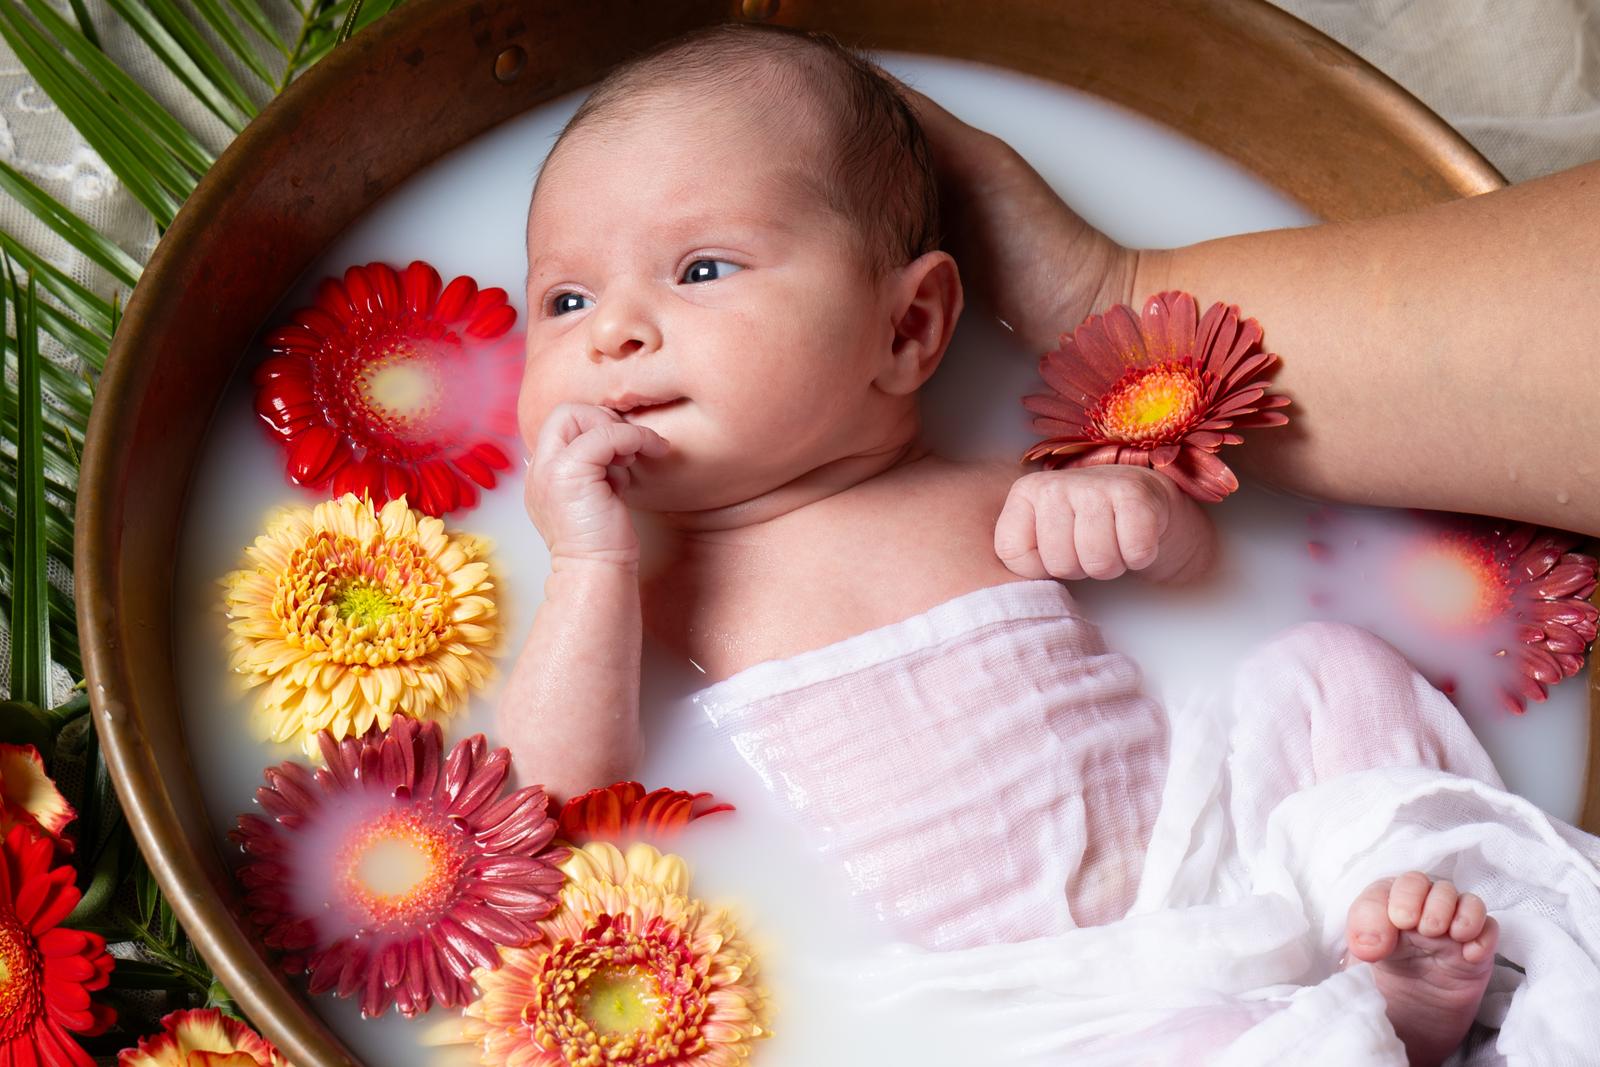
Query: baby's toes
point(1482, 946)
point(1472, 923)
point(1368, 931)
point(1438, 910)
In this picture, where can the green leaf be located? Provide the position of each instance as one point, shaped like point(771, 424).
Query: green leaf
point(73, 296)
point(136, 974)
point(257, 20)
point(64, 222)
point(172, 37)
point(94, 907)
point(141, 107)
point(148, 894)
point(149, 175)
point(30, 623)
point(228, 30)
point(26, 724)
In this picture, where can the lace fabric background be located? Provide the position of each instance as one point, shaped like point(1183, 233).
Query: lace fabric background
point(1519, 78)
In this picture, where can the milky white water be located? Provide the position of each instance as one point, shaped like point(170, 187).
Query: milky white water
point(1140, 183)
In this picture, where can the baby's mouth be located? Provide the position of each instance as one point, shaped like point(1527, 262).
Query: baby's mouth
point(631, 413)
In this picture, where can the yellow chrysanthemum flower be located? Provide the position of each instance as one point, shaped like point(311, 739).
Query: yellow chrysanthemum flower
point(346, 615)
point(630, 970)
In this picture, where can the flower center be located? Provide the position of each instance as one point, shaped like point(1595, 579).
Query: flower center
point(19, 978)
point(398, 870)
point(619, 996)
point(1454, 583)
point(363, 604)
point(1150, 403)
point(400, 388)
point(619, 1000)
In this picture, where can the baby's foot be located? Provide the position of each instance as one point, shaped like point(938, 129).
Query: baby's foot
point(1432, 950)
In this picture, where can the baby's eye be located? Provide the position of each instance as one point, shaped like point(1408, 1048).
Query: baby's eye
point(709, 270)
point(565, 302)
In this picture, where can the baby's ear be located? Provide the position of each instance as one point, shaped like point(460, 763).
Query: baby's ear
point(927, 301)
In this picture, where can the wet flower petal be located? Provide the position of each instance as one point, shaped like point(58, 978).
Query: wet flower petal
point(1158, 387)
point(401, 893)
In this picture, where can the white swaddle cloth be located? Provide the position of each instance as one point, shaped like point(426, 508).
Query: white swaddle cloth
point(1331, 765)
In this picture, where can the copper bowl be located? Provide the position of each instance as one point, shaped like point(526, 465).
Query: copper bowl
point(1239, 75)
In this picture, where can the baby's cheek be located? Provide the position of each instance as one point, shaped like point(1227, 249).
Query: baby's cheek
point(533, 406)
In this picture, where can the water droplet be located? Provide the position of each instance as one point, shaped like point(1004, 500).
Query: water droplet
point(1511, 472)
point(1563, 497)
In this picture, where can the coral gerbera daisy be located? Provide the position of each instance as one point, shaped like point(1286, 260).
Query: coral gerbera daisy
point(29, 797)
point(202, 1037)
point(624, 808)
point(629, 970)
point(46, 971)
point(394, 870)
point(392, 384)
point(347, 615)
point(1452, 586)
point(1165, 390)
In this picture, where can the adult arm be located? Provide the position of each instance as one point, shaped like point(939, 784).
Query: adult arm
point(1447, 358)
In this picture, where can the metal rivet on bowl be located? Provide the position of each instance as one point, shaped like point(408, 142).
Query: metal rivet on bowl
point(760, 9)
point(508, 64)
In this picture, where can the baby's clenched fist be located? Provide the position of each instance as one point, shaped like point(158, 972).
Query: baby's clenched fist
point(581, 466)
point(1098, 522)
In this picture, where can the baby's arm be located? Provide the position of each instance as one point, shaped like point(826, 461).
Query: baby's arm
point(570, 710)
point(1097, 522)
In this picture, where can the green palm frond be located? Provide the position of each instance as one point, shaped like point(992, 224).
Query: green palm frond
point(232, 57)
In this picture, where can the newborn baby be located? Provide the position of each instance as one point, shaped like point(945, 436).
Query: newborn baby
point(734, 296)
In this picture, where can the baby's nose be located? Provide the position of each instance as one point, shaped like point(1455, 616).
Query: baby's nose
point(621, 328)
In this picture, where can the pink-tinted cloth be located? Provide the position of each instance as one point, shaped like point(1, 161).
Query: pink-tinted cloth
point(984, 771)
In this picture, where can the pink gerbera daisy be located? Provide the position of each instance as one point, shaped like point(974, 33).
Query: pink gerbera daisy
point(1166, 390)
point(395, 870)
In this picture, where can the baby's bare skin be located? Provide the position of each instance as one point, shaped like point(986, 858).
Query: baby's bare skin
point(721, 405)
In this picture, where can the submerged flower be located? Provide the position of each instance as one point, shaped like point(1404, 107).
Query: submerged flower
point(629, 970)
point(46, 971)
point(1471, 587)
point(389, 386)
point(1163, 390)
point(395, 870)
point(203, 1037)
point(28, 797)
point(624, 808)
point(347, 615)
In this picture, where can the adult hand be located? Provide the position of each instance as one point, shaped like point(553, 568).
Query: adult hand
point(1023, 252)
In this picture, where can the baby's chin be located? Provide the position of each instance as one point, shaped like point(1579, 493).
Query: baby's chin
point(678, 485)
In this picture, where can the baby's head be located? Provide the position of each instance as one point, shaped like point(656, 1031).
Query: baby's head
point(744, 223)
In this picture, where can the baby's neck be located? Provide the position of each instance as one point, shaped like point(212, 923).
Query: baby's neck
point(816, 485)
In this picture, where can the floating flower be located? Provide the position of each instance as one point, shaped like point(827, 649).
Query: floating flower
point(46, 971)
point(629, 970)
point(392, 384)
point(28, 797)
point(625, 808)
point(1448, 589)
point(203, 1037)
point(347, 615)
point(1161, 391)
point(393, 871)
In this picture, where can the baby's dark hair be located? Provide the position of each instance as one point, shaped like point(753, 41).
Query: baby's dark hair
point(880, 179)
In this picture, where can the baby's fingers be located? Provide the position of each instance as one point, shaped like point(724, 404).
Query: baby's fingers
point(605, 445)
point(1094, 536)
point(1015, 540)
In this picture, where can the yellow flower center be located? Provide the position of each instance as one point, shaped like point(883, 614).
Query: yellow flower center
point(19, 978)
point(363, 603)
point(619, 996)
point(1150, 403)
point(400, 388)
point(618, 1000)
point(399, 870)
point(1453, 582)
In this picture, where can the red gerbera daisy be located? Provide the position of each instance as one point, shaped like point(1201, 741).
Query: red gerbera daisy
point(46, 972)
point(393, 384)
point(624, 808)
point(394, 871)
point(1474, 587)
point(1162, 391)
